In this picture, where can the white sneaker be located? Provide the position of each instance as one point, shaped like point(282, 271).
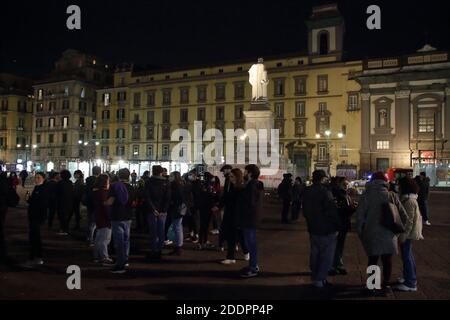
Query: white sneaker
point(402, 287)
point(247, 256)
point(228, 261)
point(214, 231)
point(401, 280)
point(168, 242)
point(38, 261)
point(428, 223)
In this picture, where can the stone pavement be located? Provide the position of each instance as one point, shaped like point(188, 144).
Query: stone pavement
point(283, 254)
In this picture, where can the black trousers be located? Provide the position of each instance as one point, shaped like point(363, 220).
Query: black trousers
point(34, 233)
point(205, 218)
point(141, 225)
point(63, 217)
point(296, 206)
point(3, 253)
point(51, 213)
point(338, 262)
point(235, 236)
point(285, 211)
point(76, 212)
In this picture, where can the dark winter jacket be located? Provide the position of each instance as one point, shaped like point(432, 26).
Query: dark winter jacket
point(320, 211)
point(346, 208)
point(249, 204)
point(285, 189)
point(157, 194)
point(65, 196)
point(38, 203)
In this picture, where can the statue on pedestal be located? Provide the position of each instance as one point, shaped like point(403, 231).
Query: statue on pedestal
point(259, 81)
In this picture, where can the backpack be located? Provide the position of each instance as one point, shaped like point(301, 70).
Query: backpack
point(13, 198)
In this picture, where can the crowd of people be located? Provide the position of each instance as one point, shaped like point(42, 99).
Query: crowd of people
point(388, 216)
point(163, 205)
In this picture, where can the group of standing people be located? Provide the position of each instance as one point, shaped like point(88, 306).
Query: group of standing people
point(163, 205)
point(385, 222)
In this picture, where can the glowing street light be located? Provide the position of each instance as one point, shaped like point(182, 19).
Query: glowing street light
point(86, 143)
point(19, 145)
point(340, 135)
point(80, 142)
point(328, 133)
point(317, 135)
point(97, 143)
point(27, 146)
point(34, 146)
point(243, 137)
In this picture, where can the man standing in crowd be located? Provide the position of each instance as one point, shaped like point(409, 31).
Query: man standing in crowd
point(141, 201)
point(78, 191)
point(249, 211)
point(424, 189)
point(285, 193)
point(37, 213)
point(120, 198)
point(65, 201)
point(297, 194)
point(322, 220)
point(23, 176)
point(134, 178)
point(52, 188)
point(89, 203)
point(158, 201)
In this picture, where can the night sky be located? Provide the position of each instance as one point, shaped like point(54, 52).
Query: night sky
point(169, 33)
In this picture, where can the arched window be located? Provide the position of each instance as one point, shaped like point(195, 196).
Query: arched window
point(323, 43)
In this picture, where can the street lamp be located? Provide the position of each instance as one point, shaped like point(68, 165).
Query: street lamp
point(327, 133)
point(340, 135)
point(19, 145)
point(317, 136)
point(80, 142)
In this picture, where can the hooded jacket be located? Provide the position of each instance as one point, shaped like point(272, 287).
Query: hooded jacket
point(413, 225)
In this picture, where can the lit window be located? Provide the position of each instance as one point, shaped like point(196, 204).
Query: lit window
point(382, 144)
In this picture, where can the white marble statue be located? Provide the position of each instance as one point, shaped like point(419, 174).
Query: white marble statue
point(258, 80)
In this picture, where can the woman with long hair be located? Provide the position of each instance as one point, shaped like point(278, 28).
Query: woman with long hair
point(408, 189)
point(230, 230)
point(102, 220)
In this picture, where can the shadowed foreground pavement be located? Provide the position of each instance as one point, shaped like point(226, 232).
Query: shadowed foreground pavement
point(283, 255)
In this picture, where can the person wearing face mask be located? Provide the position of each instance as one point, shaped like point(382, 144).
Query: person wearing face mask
point(346, 208)
point(37, 214)
point(322, 220)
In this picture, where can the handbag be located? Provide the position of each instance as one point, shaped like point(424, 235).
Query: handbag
point(390, 218)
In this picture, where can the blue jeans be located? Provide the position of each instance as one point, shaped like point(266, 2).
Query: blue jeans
point(91, 226)
point(321, 255)
point(177, 226)
point(250, 240)
point(121, 238)
point(102, 240)
point(409, 265)
point(157, 231)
